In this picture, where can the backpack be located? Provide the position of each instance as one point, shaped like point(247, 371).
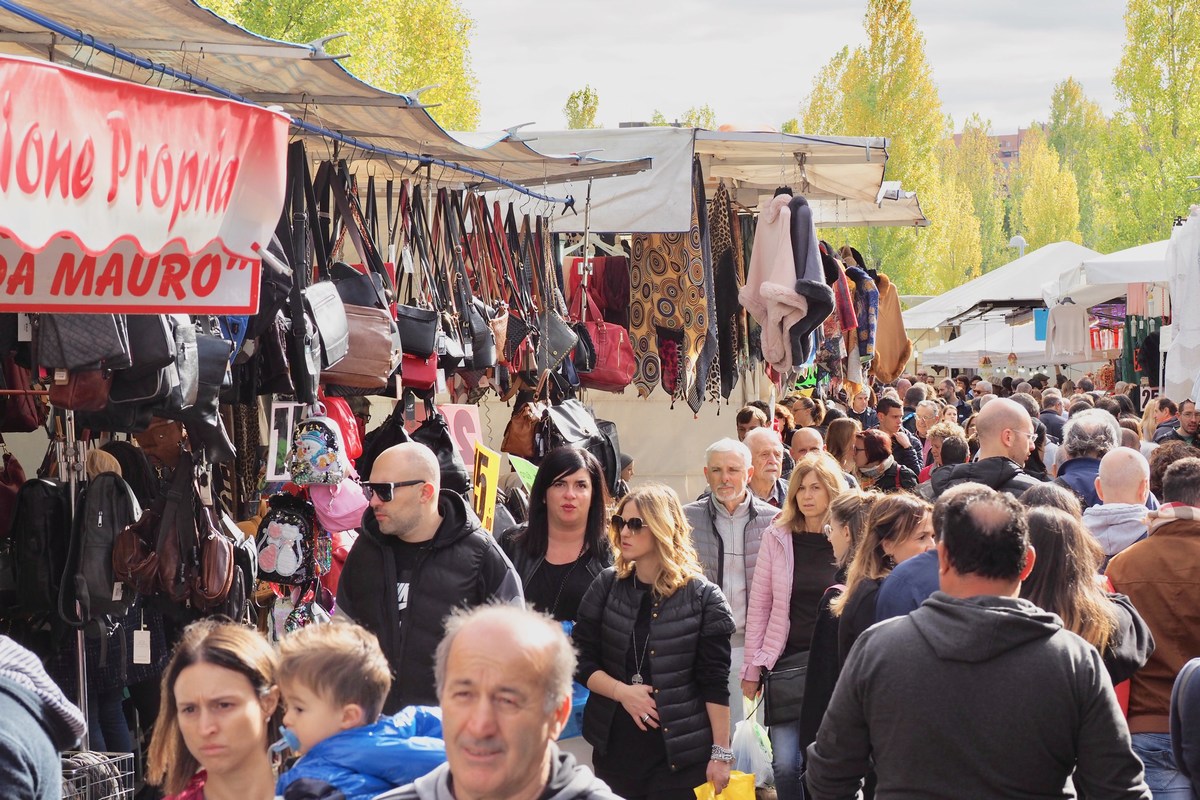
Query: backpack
point(41, 538)
point(285, 541)
point(318, 452)
point(106, 506)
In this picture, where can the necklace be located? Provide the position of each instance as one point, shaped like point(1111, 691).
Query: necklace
point(636, 680)
point(567, 577)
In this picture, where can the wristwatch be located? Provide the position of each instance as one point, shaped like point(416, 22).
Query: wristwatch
point(721, 754)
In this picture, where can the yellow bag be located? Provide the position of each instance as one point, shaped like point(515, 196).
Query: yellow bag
point(741, 787)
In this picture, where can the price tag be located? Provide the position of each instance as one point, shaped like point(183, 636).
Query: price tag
point(24, 327)
point(406, 261)
point(60, 376)
point(141, 647)
point(205, 491)
point(118, 591)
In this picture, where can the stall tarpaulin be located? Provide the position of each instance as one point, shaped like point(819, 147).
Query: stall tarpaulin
point(130, 199)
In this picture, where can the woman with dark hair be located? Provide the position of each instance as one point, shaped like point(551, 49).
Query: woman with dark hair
point(220, 711)
point(875, 467)
point(807, 412)
point(653, 640)
point(1065, 581)
point(564, 545)
point(1054, 496)
point(899, 527)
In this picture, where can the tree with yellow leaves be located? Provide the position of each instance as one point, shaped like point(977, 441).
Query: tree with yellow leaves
point(1045, 199)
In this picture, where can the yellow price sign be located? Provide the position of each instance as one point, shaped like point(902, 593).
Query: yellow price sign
point(487, 480)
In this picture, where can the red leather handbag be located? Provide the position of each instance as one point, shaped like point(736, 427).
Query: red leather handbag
point(615, 364)
point(337, 409)
point(418, 373)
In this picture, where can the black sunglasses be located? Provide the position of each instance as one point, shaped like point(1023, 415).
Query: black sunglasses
point(635, 523)
point(384, 490)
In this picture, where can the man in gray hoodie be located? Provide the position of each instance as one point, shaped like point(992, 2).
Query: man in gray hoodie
point(977, 693)
point(1123, 486)
point(504, 685)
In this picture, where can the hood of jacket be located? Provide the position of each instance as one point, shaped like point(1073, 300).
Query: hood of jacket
point(1080, 474)
point(458, 521)
point(23, 677)
point(979, 629)
point(367, 760)
point(995, 472)
point(1116, 525)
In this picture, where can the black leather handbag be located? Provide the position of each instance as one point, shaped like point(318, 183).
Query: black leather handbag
point(783, 690)
point(434, 433)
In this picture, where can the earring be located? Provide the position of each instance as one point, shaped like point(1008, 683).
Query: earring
point(889, 562)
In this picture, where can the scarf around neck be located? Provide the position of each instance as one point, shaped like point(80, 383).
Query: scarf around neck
point(871, 473)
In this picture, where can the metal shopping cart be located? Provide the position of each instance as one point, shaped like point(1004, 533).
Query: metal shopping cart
point(97, 776)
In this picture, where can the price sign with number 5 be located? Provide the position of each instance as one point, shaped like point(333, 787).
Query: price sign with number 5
point(487, 478)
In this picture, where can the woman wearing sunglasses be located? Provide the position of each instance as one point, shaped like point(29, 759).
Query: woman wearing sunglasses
point(795, 566)
point(564, 545)
point(653, 640)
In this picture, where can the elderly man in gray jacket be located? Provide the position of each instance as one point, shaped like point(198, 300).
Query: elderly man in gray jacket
point(727, 525)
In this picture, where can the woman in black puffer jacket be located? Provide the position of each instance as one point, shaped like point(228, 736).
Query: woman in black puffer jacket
point(653, 640)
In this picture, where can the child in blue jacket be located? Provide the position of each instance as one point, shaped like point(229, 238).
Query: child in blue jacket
point(334, 679)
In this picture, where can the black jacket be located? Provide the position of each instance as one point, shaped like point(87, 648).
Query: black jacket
point(998, 472)
point(464, 567)
point(896, 478)
point(1131, 644)
point(603, 634)
point(527, 566)
point(1054, 424)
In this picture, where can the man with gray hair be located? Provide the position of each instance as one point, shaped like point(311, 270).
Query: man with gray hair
point(1052, 415)
point(1123, 487)
point(727, 527)
point(766, 456)
point(504, 685)
point(1087, 437)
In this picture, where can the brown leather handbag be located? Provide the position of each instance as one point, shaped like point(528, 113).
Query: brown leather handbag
point(212, 577)
point(85, 390)
point(374, 351)
point(134, 561)
point(520, 435)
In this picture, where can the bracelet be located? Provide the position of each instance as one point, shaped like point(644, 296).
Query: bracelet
point(721, 754)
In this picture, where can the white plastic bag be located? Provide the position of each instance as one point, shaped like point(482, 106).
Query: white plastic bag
point(752, 752)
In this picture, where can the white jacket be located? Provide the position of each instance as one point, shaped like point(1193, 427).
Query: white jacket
point(770, 291)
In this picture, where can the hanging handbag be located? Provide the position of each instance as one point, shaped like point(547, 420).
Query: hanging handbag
point(556, 340)
point(304, 343)
point(76, 341)
point(520, 435)
point(374, 350)
point(84, 390)
point(568, 424)
point(337, 409)
point(285, 541)
point(417, 373)
point(274, 369)
point(323, 302)
point(418, 330)
point(176, 535)
point(615, 364)
point(434, 433)
point(341, 507)
point(390, 433)
point(22, 412)
point(212, 576)
point(783, 689)
point(12, 478)
point(317, 453)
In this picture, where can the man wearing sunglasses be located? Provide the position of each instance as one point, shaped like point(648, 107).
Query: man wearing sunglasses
point(421, 553)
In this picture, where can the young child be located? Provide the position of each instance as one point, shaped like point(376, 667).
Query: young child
point(334, 678)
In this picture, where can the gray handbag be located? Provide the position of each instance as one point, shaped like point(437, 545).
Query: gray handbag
point(78, 341)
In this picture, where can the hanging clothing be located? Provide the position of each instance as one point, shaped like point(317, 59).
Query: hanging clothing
point(725, 284)
point(1183, 354)
point(893, 348)
point(769, 294)
point(1139, 350)
point(667, 303)
point(708, 370)
point(866, 313)
point(1068, 337)
point(810, 280)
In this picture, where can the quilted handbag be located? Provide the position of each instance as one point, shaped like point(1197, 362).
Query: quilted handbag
point(329, 315)
point(75, 341)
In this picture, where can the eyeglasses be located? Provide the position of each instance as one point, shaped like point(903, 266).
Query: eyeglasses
point(860, 449)
point(1030, 436)
point(635, 524)
point(384, 490)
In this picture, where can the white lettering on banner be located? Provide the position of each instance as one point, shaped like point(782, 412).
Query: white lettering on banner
point(463, 422)
point(123, 198)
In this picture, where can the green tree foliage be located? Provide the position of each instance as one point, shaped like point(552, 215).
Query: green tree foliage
point(790, 126)
point(973, 167)
point(1045, 200)
point(701, 117)
point(1078, 133)
point(885, 88)
point(581, 108)
point(397, 45)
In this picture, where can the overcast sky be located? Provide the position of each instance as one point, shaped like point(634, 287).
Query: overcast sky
point(754, 61)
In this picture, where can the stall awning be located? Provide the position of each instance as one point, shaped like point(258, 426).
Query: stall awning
point(994, 339)
point(1104, 278)
point(1014, 285)
point(301, 79)
point(892, 208)
point(750, 163)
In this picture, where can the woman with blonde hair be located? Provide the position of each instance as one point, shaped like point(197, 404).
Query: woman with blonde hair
point(220, 711)
point(795, 565)
point(899, 527)
point(654, 649)
point(846, 528)
point(839, 441)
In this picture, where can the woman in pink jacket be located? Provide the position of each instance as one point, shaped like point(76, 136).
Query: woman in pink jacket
point(795, 567)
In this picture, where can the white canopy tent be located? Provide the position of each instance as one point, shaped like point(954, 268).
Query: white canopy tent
point(1104, 278)
point(842, 177)
point(992, 338)
point(1013, 285)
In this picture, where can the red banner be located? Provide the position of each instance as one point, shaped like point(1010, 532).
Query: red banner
point(122, 198)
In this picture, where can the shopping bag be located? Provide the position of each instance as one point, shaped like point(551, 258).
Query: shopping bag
point(741, 787)
point(752, 751)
